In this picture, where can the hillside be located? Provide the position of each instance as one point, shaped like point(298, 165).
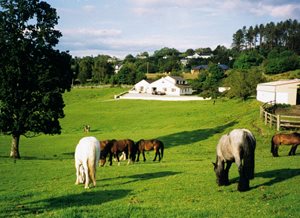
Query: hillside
point(183, 184)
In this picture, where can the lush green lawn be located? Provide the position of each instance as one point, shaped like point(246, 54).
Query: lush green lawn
point(182, 185)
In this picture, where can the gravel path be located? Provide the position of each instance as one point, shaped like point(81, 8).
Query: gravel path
point(160, 97)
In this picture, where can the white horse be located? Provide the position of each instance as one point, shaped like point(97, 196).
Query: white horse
point(87, 154)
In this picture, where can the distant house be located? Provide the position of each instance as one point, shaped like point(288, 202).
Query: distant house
point(198, 68)
point(169, 85)
point(142, 86)
point(117, 68)
point(283, 92)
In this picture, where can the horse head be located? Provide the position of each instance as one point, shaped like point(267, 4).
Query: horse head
point(220, 172)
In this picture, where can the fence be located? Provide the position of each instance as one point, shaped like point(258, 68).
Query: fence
point(279, 120)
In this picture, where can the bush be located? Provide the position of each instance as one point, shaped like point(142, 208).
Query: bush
point(279, 62)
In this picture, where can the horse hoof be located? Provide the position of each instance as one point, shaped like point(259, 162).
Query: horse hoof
point(243, 188)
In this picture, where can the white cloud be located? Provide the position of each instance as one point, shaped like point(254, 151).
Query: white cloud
point(278, 11)
point(90, 32)
point(89, 8)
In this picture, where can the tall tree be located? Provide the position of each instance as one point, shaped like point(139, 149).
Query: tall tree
point(33, 75)
point(102, 69)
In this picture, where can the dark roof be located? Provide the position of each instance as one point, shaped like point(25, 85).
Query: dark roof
point(149, 80)
point(200, 67)
point(205, 67)
point(177, 78)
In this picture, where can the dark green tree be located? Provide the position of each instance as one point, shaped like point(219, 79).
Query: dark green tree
point(102, 69)
point(33, 75)
point(85, 69)
point(127, 74)
point(243, 83)
point(248, 59)
point(279, 62)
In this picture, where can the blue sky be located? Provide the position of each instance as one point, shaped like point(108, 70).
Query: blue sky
point(122, 27)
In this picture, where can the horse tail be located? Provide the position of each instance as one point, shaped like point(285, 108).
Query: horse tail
point(249, 156)
point(272, 145)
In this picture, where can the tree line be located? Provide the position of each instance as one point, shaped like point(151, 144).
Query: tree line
point(285, 34)
point(274, 47)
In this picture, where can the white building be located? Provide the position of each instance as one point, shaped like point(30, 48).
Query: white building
point(142, 86)
point(169, 85)
point(282, 92)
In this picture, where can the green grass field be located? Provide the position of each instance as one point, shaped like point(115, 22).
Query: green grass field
point(183, 184)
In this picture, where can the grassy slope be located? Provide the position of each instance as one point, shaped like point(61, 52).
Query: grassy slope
point(182, 185)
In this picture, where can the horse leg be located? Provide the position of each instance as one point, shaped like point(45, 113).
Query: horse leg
point(117, 154)
point(159, 156)
point(293, 150)
point(243, 184)
point(156, 153)
point(276, 151)
point(110, 158)
point(77, 174)
point(138, 156)
point(87, 175)
point(226, 173)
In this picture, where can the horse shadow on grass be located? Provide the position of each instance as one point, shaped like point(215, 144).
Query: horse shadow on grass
point(188, 137)
point(276, 176)
point(87, 198)
point(142, 177)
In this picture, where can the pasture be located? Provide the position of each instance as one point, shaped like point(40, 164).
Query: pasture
point(183, 184)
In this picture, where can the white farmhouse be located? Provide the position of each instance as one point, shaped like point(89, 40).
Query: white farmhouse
point(142, 86)
point(169, 85)
point(282, 92)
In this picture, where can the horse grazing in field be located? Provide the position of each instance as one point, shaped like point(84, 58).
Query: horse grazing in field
point(105, 149)
point(116, 147)
point(238, 146)
point(87, 155)
point(285, 139)
point(148, 145)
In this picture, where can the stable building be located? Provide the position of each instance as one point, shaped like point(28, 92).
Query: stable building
point(280, 92)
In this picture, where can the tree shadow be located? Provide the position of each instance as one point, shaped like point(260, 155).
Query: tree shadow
point(88, 198)
point(188, 137)
point(143, 176)
point(276, 176)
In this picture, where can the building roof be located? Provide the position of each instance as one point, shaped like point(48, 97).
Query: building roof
point(205, 67)
point(177, 78)
point(281, 82)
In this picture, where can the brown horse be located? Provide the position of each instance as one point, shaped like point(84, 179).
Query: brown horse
point(105, 149)
point(116, 147)
point(285, 139)
point(148, 145)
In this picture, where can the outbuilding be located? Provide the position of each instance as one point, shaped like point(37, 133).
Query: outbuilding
point(281, 92)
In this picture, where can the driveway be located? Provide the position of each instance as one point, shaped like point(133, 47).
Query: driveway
point(160, 97)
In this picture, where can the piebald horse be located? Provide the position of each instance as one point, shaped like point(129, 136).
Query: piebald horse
point(238, 146)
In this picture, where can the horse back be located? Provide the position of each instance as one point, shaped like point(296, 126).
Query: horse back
point(286, 139)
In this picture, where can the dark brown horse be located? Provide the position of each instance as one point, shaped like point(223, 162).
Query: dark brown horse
point(116, 147)
point(285, 139)
point(148, 145)
point(105, 149)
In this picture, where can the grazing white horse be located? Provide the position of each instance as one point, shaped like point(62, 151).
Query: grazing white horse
point(87, 154)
